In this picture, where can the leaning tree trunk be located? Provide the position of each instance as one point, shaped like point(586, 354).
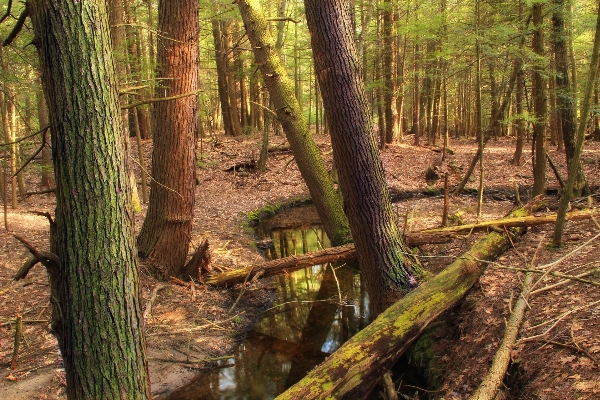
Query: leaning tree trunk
point(387, 269)
point(100, 329)
point(165, 235)
point(306, 153)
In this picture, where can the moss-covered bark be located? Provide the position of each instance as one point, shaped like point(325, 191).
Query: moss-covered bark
point(306, 153)
point(99, 321)
point(356, 367)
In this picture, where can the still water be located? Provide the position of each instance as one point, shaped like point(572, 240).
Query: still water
point(317, 310)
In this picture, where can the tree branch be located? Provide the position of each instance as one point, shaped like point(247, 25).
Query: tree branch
point(156, 100)
point(18, 26)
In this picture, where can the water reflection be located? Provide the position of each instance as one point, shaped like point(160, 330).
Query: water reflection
point(318, 309)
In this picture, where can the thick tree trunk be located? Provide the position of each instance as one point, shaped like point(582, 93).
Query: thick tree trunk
point(97, 285)
point(356, 367)
point(387, 269)
point(306, 152)
point(165, 235)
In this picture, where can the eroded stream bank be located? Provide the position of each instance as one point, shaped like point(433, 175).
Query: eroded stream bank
point(317, 310)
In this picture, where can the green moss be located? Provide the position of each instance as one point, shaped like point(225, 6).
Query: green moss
point(269, 210)
point(423, 355)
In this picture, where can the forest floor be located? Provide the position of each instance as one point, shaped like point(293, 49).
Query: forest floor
point(558, 351)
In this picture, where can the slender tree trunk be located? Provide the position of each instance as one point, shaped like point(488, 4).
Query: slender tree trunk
point(564, 95)
point(386, 268)
point(540, 105)
point(165, 235)
point(47, 172)
point(389, 72)
point(584, 114)
point(416, 125)
point(306, 152)
point(97, 315)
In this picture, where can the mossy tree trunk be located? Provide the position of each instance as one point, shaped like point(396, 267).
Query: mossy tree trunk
point(306, 153)
point(387, 269)
point(165, 235)
point(100, 329)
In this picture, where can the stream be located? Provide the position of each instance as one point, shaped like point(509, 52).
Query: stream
point(317, 310)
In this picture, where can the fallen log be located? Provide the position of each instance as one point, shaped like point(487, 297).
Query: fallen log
point(356, 367)
point(347, 252)
point(294, 263)
point(512, 222)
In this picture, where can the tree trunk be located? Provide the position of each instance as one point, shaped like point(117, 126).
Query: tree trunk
point(165, 235)
point(354, 369)
point(306, 152)
point(222, 38)
point(387, 271)
point(97, 284)
point(564, 95)
point(389, 72)
point(540, 106)
point(584, 115)
point(47, 172)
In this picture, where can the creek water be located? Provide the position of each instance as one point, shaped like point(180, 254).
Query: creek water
point(317, 310)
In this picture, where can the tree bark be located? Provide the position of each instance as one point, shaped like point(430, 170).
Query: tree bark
point(354, 369)
point(97, 285)
point(540, 106)
point(564, 95)
point(306, 152)
point(165, 235)
point(387, 269)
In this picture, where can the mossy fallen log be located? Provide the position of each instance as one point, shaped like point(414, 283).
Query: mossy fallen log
point(356, 367)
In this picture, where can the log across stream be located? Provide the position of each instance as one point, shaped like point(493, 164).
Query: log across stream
point(318, 309)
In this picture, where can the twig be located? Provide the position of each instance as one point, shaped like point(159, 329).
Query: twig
point(337, 282)
point(156, 100)
point(242, 290)
point(549, 287)
point(491, 383)
point(18, 336)
point(148, 312)
point(568, 346)
point(192, 328)
point(577, 278)
point(17, 28)
point(556, 321)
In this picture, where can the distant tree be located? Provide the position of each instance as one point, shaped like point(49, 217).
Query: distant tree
point(166, 232)
point(565, 98)
point(540, 101)
point(387, 268)
point(97, 315)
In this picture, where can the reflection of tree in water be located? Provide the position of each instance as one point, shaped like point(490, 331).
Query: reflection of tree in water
point(295, 336)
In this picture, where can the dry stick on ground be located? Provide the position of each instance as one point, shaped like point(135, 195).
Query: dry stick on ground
point(148, 312)
point(18, 336)
point(492, 381)
point(577, 278)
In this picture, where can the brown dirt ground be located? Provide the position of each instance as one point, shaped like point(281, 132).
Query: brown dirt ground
point(185, 329)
